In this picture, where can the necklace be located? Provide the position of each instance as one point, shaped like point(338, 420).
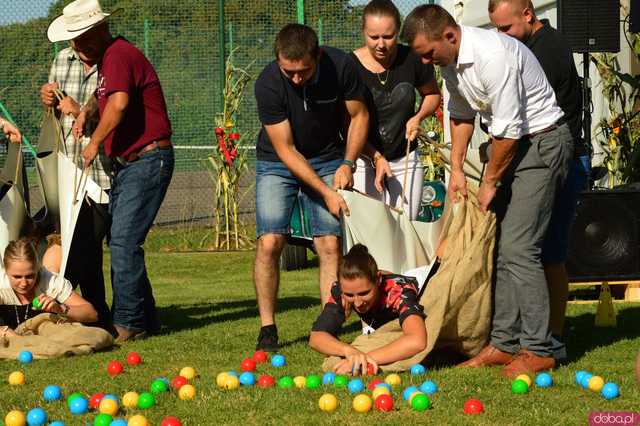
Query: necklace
point(386, 78)
point(26, 314)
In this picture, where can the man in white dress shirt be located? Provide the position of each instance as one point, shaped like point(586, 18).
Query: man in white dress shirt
point(497, 77)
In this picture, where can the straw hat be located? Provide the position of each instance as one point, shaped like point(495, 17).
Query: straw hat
point(77, 17)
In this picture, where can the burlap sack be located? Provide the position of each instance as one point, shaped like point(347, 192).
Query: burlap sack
point(457, 299)
point(51, 336)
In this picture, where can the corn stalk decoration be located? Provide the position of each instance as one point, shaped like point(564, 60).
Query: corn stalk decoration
point(228, 162)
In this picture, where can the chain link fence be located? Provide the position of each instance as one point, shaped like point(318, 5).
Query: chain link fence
point(187, 41)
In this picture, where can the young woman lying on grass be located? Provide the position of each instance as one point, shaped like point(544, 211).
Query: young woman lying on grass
point(24, 279)
point(377, 297)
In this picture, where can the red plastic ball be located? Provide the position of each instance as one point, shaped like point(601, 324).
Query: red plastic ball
point(265, 381)
point(171, 421)
point(370, 371)
point(384, 403)
point(372, 385)
point(260, 357)
point(94, 401)
point(248, 364)
point(133, 358)
point(178, 382)
point(473, 406)
point(114, 368)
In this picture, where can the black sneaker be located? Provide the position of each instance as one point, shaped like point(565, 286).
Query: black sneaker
point(268, 339)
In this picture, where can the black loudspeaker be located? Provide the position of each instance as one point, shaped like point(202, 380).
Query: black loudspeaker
point(590, 25)
point(604, 243)
point(634, 16)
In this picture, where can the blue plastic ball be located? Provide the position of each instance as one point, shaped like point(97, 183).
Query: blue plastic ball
point(278, 360)
point(579, 375)
point(428, 387)
point(355, 386)
point(385, 385)
point(36, 417)
point(610, 391)
point(327, 378)
point(118, 422)
point(56, 423)
point(584, 380)
point(52, 393)
point(78, 405)
point(247, 379)
point(25, 357)
point(544, 380)
point(418, 369)
point(112, 396)
point(408, 391)
point(232, 373)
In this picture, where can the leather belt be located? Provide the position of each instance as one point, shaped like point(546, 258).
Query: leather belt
point(161, 144)
point(554, 126)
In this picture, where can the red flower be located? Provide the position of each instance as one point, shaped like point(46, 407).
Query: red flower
point(234, 136)
point(219, 131)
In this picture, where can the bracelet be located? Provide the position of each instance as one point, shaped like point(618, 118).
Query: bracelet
point(349, 163)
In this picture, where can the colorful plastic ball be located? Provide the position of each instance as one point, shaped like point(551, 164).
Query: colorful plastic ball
point(35, 303)
point(370, 369)
point(355, 386)
point(188, 373)
point(340, 381)
point(114, 368)
point(247, 379)
point(187, 392)
point(171, 421)
point(108, 406)
point(146, 400)
point(584, 381)
point(265, 381)
point(118, 422)
point(418, 369)
point(79, 406)
point(300, 381)
point(220, 379)
point(519, 387)
point(285, 382)
point(17, 378)
point(579, 375)
point(544, 380)
point(328, 378)
point(130, 399)
point(25, 357)
point(610, 391)
point(36, 417)
point(94, 400)
point(372, 384)
point(133, 358)
point(278, 361)
point(112, 396)
point(73, 396)
point(420, 402)
point(596, 383)
point(158, 386)
point(380, 390)
point(138, 420)
point(178, 382)
point(248, 364)
point(312, 381)
point(408, 392)
point(412, 395)
point(393, 380)
point(328, 402)
point(362, 403)
point(15, 418)
point(102, 419)
point(383, 385)
point(384, 402)
point(428, 387)
point(52, 393)
point(526, 378)
point(58, 423)
point(260, 357)
point(473, 406)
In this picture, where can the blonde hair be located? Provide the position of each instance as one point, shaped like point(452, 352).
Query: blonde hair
point(22, 249)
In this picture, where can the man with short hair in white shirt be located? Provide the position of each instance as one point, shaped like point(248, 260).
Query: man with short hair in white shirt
point(497, 77)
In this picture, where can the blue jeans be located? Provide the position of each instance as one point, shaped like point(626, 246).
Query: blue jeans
point(137, 192)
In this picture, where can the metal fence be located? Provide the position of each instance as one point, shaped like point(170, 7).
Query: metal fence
point(187, 41)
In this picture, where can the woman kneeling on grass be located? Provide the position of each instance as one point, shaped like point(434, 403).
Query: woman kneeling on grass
point(377, 297)
point(24, 279)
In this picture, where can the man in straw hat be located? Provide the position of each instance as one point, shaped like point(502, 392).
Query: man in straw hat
point(134, 129)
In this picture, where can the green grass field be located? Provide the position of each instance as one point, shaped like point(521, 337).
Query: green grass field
point(209, 313)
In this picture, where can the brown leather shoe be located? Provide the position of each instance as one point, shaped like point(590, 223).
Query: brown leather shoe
point(127, 335)
point(488, 357)
point(528, 363)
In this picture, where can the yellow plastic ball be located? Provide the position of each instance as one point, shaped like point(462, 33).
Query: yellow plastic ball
point(299, 381)
point(526, 378)
point(412, 395)
point(221, 379)
point(130, 399)
point(138, 420)
point(362, 403)
point(16, 378)
point(231, 383)
point(596, 383)
point(328, 402)
point(108, 406)
point(15, 418)
point(380, 390)
point(187, 392)
point(393, 380)
point(188, 373)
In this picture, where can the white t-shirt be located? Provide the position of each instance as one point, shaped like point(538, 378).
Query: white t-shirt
point(499, 78)
point(49, 283)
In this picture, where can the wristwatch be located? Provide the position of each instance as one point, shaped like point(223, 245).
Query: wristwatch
point(351, 165)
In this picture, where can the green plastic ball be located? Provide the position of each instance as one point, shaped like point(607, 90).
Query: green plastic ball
point(146, 400)
point(285, 382)
point(102, 419)
point(35, 303)
point(159, 386)
point(519, 387)
point(340, 381)
point(72, 397)
point(420, 402)
point(313, 381)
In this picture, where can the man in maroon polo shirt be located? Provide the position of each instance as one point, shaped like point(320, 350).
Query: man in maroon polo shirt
point(135, 130)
